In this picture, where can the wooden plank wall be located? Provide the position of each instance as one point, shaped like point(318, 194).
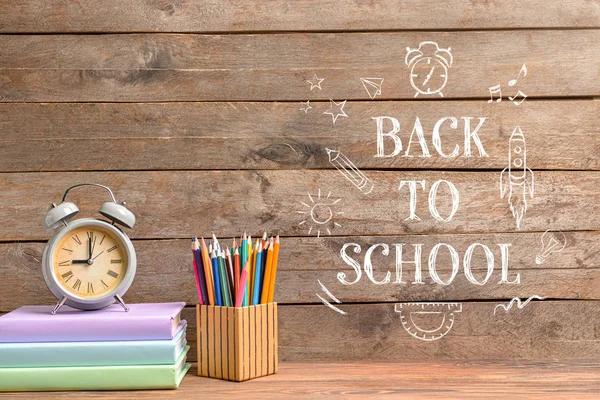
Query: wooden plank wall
point(190, 111)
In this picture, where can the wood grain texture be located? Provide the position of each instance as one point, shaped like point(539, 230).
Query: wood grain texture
point(26, 16)
point(417, 380)
point(165, 272)
point(173, 67)
point(181, 204)
point(116, 136)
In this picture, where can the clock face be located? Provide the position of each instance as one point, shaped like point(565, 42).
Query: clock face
point(428, 76)
point(90, 261)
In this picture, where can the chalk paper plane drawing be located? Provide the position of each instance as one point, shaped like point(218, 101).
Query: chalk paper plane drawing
point(350, 171)
point(372, 86)
point(336, 110)
point(516, 180)
point(517, 301)
point(332, 297)
point(497, 90)
point(320, 213)
point(428, 68)
point(315, 82)
point(306, 107)
point(428, 321)
point(552, 242)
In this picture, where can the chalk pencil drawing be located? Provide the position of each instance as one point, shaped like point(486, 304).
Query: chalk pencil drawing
point(428, 321)
point(517, 301)
point(319, 214)
point(350, 171)
point(428, 68)
point(306, 107)
point(332, 297)
point(372, 86)
point(516, 180)
point(497, 90)
point(552, 242)
point(336, 110)
point(315, 82)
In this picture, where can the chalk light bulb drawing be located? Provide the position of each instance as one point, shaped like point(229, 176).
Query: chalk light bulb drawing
point(552, 242)
point(320, 214)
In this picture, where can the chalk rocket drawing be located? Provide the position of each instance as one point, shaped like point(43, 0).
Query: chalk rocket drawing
point(320, 214)
point(428, 321)
point(516, 180)
point(315, 82)
point(552, 242)
point(306, 107)
point(350, 171)
point(428, 68)
point(332, 297)
point(372, 86)
point(518, 302)
point(336, 110)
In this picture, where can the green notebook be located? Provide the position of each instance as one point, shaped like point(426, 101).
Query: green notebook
point(129, 377)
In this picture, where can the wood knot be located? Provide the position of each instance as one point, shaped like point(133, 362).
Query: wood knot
point(169, 6)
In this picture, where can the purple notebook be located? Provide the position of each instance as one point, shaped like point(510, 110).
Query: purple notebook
point(159, 321)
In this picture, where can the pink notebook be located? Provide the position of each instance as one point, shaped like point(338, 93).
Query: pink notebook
point(157, 321)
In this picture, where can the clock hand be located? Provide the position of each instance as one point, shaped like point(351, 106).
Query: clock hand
point(428, 76)
point(79, 262)
point(98, 255)
point(89, 247)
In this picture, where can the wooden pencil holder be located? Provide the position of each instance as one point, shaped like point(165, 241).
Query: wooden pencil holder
point(237, 343)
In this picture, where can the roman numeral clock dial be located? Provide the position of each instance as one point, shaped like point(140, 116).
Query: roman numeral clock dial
point(90, 262)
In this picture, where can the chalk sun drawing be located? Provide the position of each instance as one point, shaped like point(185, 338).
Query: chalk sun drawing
point(332, 297)
point(518, 302)
point(372, 86)
point(319, 214)
point(552, 242)
point(516, 180)
point(336, 110)
point(315, 82)
point(428, 68)
point(306, 107)
point(428, 321)
point(350, 171)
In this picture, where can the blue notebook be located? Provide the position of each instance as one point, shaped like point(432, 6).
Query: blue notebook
point(83, 354)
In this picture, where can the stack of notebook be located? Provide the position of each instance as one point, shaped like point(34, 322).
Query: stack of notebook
point(108, 349)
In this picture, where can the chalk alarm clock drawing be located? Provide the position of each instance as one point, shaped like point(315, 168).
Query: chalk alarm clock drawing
point(428, 68)
point(88, 263)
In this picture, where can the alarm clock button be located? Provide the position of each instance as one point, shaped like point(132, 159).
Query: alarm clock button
point(62, 212)
point(118, 213)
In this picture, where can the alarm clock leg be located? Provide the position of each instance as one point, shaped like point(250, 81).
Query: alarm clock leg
point(59, 305)
point(121, 302)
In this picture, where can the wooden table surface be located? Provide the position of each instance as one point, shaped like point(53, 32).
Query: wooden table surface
point(443, 380)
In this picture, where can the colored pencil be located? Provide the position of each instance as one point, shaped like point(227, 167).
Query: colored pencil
point(207, 266)
point(236, 271)
point(274, 269)
point(243, 280)
point(217, 279)
point(229, 267)
point(196, 275)
point(267, 281)
point(199, 270)
point(225, 288)
point(250, 272)
point(244, 259)
point(258, 277)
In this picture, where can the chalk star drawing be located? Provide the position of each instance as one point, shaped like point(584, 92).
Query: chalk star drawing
point(428, 68)
point(428, 321)
point(372, 86)
point(516, 179)
point(518, 302)
point(306, 107)
point(320, 214)
point(315, 82)
point(332, 297)
point(552, 242)
point(336, 110)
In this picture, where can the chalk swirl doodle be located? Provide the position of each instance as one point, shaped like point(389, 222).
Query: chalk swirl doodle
point(518, 302)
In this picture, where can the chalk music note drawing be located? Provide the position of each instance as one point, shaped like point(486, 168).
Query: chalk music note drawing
point(516, 180)
point(495, 90)
point(332, 297)
point(350, 171)
point(552, 242)
point(428, 321)
point(518, 302)
point(372, 86)
point(320, 214)
point(523, 71)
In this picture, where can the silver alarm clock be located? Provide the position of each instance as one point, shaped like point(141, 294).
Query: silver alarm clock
point(89, 263)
